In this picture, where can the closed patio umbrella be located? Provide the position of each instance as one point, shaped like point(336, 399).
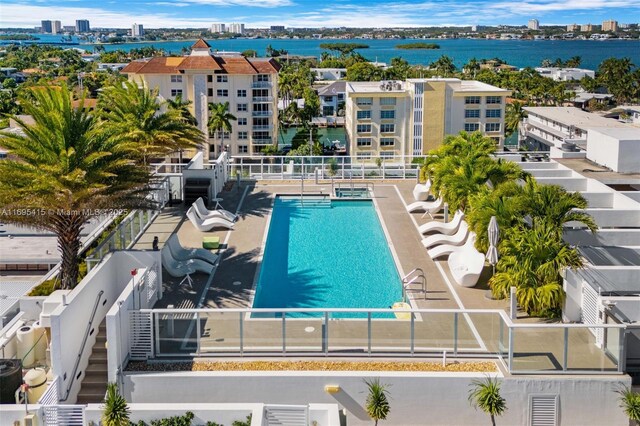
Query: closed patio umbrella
point(493, 232)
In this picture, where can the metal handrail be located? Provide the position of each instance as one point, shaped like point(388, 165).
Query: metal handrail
point(84, 342)
point(418, 274)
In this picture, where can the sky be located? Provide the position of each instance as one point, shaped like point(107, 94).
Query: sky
point(315, 13)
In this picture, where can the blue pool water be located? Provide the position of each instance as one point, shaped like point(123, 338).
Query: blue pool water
point(326, 254)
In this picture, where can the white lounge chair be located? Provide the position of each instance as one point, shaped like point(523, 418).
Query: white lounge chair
point(448, 228)
point(183, 267)
point(180, 253)
point(421, 191)
point(456, 239)
point(204, 213)
point(429, 207)
point(447, 249)
point(207, 225)
point(466, 265)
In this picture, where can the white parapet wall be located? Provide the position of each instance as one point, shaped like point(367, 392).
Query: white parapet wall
point(416, 398)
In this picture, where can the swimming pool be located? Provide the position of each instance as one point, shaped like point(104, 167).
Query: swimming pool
point(326, 254)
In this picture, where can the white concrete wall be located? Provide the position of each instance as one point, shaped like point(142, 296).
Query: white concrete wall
point(416, 398)
point(619, 155)
point(604, 237)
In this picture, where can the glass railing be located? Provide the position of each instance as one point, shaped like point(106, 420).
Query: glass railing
point(523, 348)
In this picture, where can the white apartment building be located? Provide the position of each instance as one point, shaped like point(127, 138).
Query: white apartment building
point(250, 85)
point(137, 30)
point(565, 74)
point(533, 24)
point(218, 28)
point(403, 119)
point(236, 28)
point(56, 27)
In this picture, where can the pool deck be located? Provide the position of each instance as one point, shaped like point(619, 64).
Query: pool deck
point(231, 286)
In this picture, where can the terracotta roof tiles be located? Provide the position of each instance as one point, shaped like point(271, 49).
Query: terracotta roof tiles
point(224, 64)
point(200, 44)
point(199, 63)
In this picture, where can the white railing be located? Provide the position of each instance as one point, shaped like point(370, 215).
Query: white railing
point(67, 415)
point(52, 395)
point(260, 84)
point(262, 98)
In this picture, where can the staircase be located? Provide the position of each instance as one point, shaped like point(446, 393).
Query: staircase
point(94, 383)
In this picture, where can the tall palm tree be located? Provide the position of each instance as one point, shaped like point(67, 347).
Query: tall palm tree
point(485, 394)
point(472, 67)
point(574, 62)
point(135, 113)
point(182, 107)
point(378, 406)
point(67, 167)
point(443, 65)
point(220, 120)
point(514, 115)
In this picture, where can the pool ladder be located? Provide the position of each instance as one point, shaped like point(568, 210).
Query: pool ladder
point(416, 276)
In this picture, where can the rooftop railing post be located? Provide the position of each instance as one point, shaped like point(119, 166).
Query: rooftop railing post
point(622, 355)
point(413, 335)
point(511, 337)
point(262, 168)
point(156, 321)
point(198, 332)
point(455, 334)
point(369, 333)
point(565, 355)
point(241, 314)
point(284, 333)
point(325, 335)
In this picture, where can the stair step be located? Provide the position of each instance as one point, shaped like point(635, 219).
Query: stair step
point(93, 388)
point(98, 350)
point(90, 399)
point(96, 368)
point(98, 357)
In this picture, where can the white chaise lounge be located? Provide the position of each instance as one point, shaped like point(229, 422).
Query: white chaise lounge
point(456, 239)
point(207, 225)
point(180, 268)
point(180, 253)
point(447, 249)
point(448, 228)
point(428, 207)
point(204, 213)
point(421, 191)
point(466, 265)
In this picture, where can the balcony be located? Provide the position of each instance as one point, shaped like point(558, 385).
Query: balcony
point(261, 113)
point(262, 99)
point(261, 141)
point(260, 84)
point(262, 126)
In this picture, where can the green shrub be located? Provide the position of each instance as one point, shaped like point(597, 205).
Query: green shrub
point(45, 288)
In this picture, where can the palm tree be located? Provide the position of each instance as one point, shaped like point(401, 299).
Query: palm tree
point(220, 120)
point(377, 403)
point(135, 113)
point(630, 403)
point(514, 115)
point(574, 62)
point(67, 168)
point(443, 65)
point(183, 108)
point(115, 411)
point(485, 394)
point(472, 67)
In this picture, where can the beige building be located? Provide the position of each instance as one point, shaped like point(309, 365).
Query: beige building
point(586, 28)
point(248, 84)
point(533, 24)
point(403, 119)
point(573, 27)
point(610, 25)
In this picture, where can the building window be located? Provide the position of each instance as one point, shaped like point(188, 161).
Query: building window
point(493, 113)
point(387, 128)
point(242, 93)
point(492, 127)
point(223, 93)
point(494, 99)
point(363, 128)
point(364, 101)
point(387, 141)
point(243, 149)
point(209, 79)
point(471, 100)
point(242, 121)
point(243, 135)
point(242, 107)
point(176, 79)
point(209, 91)
point(176, 92)
point(387, 154)
point(262, 77)
point(328, 98)
point(388, 114)
point(364, 115)
point(363, 141)
point(222, 78)
point(471, 113)
point(387, 101)
point(471, 127)
point(363, 155)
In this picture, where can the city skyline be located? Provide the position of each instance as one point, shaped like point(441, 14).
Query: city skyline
point(305, 13)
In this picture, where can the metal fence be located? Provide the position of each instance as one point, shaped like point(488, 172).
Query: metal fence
point(67, 415)
point(524, 348)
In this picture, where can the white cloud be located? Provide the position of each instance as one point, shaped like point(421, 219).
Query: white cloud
point(245, 3)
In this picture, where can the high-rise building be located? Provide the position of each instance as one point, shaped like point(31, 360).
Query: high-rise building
point(249, 85)
point(137, 30)
point(277, 28)
point(610, 25)
point(533, 24)
point(236, 28)
point(82, 26)
point(397, 119)
point(56, 27)
point(586, 28)
point(573, 27)
point(474, 28)
point(218, 28)
point(46, 27)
